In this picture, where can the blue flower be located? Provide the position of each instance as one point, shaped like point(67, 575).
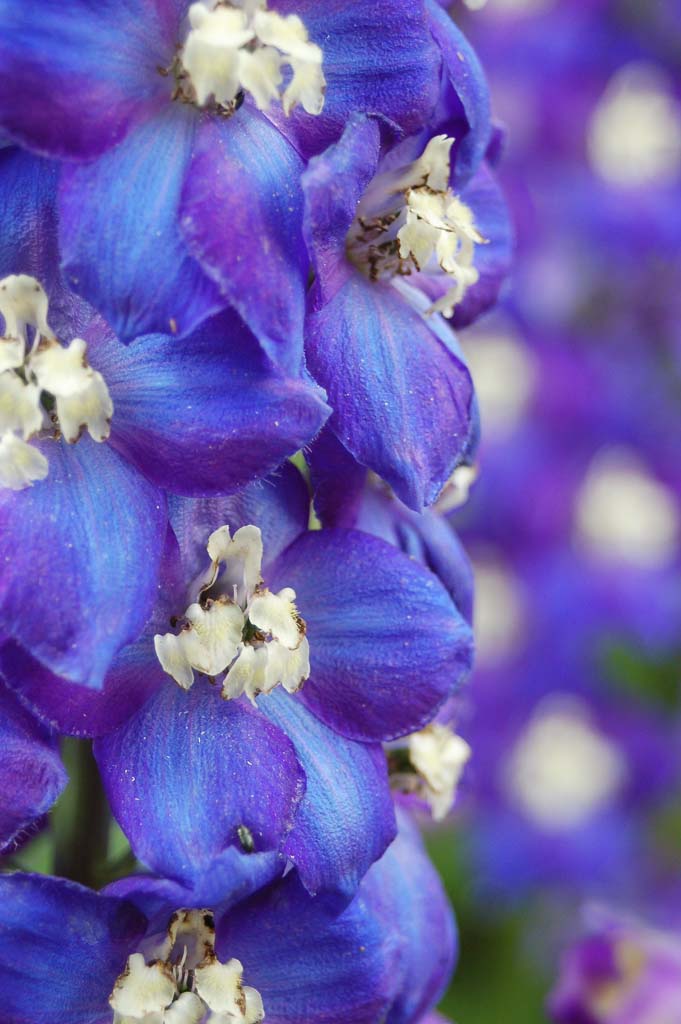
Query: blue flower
point(111, 87)
point(82, 547)
point(146, 946)
point(386, 648)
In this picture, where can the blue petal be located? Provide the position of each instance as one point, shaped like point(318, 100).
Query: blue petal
point(81, 551)
point(346, 818)
point(334, 183)
point(402, 397)
point(28, 241)
point(337, 481)
point(406, 892)
point(185, 772)
point(279, 506)
point(208, 414)
point(493, 260)
point(379, 58)
point(61, 949)
point(75, 76)
point(307, 965)
point(32, 774)
point(427, 537)
point(464, 109)
point(231, 878)
point(241, 215)
point(387, 645)
point(122, 246)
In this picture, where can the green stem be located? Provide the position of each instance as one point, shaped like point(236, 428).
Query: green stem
point(81, 819)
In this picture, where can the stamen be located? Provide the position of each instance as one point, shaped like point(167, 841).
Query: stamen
point(237, 628)
point(237, 47)
point(409, 221)
point(186, 982)
point(40, 373)
point(434, 762)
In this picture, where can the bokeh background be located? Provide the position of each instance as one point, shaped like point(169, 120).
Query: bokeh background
point(573, 792)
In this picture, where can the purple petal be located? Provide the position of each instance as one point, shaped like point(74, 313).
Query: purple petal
point(334, 183)
point(81, 551)
point(61, 949)
point(75, 77)
point(406, 892)
point(387, 645)
point(208, 414)
point(401, 395)
point(279, 506)
point(241, 215)
point(188, 770)
point(307, 965)
point(346, 818)
point(32, 773)
point(122, 247)
point(337, 481)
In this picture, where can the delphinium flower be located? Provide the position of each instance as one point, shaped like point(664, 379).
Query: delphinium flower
point(145, 950)
point(621, 970)
point(251, 599)
point(221, 189)
point(173, 99)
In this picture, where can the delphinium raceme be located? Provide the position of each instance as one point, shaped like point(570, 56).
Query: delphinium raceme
point(237, 237)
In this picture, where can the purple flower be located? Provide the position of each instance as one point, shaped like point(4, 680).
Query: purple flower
point(147, 947)
point(211, 211)
point(202, 417)
point(622, 971)
point(386, 648)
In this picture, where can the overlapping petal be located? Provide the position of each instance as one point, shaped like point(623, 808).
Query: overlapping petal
point(122, 247)
point(189, 770)
point(387, 645)
point(241, 213)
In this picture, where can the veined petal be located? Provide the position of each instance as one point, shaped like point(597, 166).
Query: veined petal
point(241, 215)
point(346, 818)
point(402, 397)
point(63, 943)
point(334, 183)
point(463, 112)
point(207, 414)
point(387, 644)
point(75, 78)
point(189, 770)
point(81, 552)
point(141, 279)
point(307, 964)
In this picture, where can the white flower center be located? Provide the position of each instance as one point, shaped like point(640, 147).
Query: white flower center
point(409, 221)
point(562, 770)
point(241, 46)
point(46, 389)
point(625, 515)
point(181, 980)
point(237, 628)
point(634, 136)
point(500, 612)
point(438, 756)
